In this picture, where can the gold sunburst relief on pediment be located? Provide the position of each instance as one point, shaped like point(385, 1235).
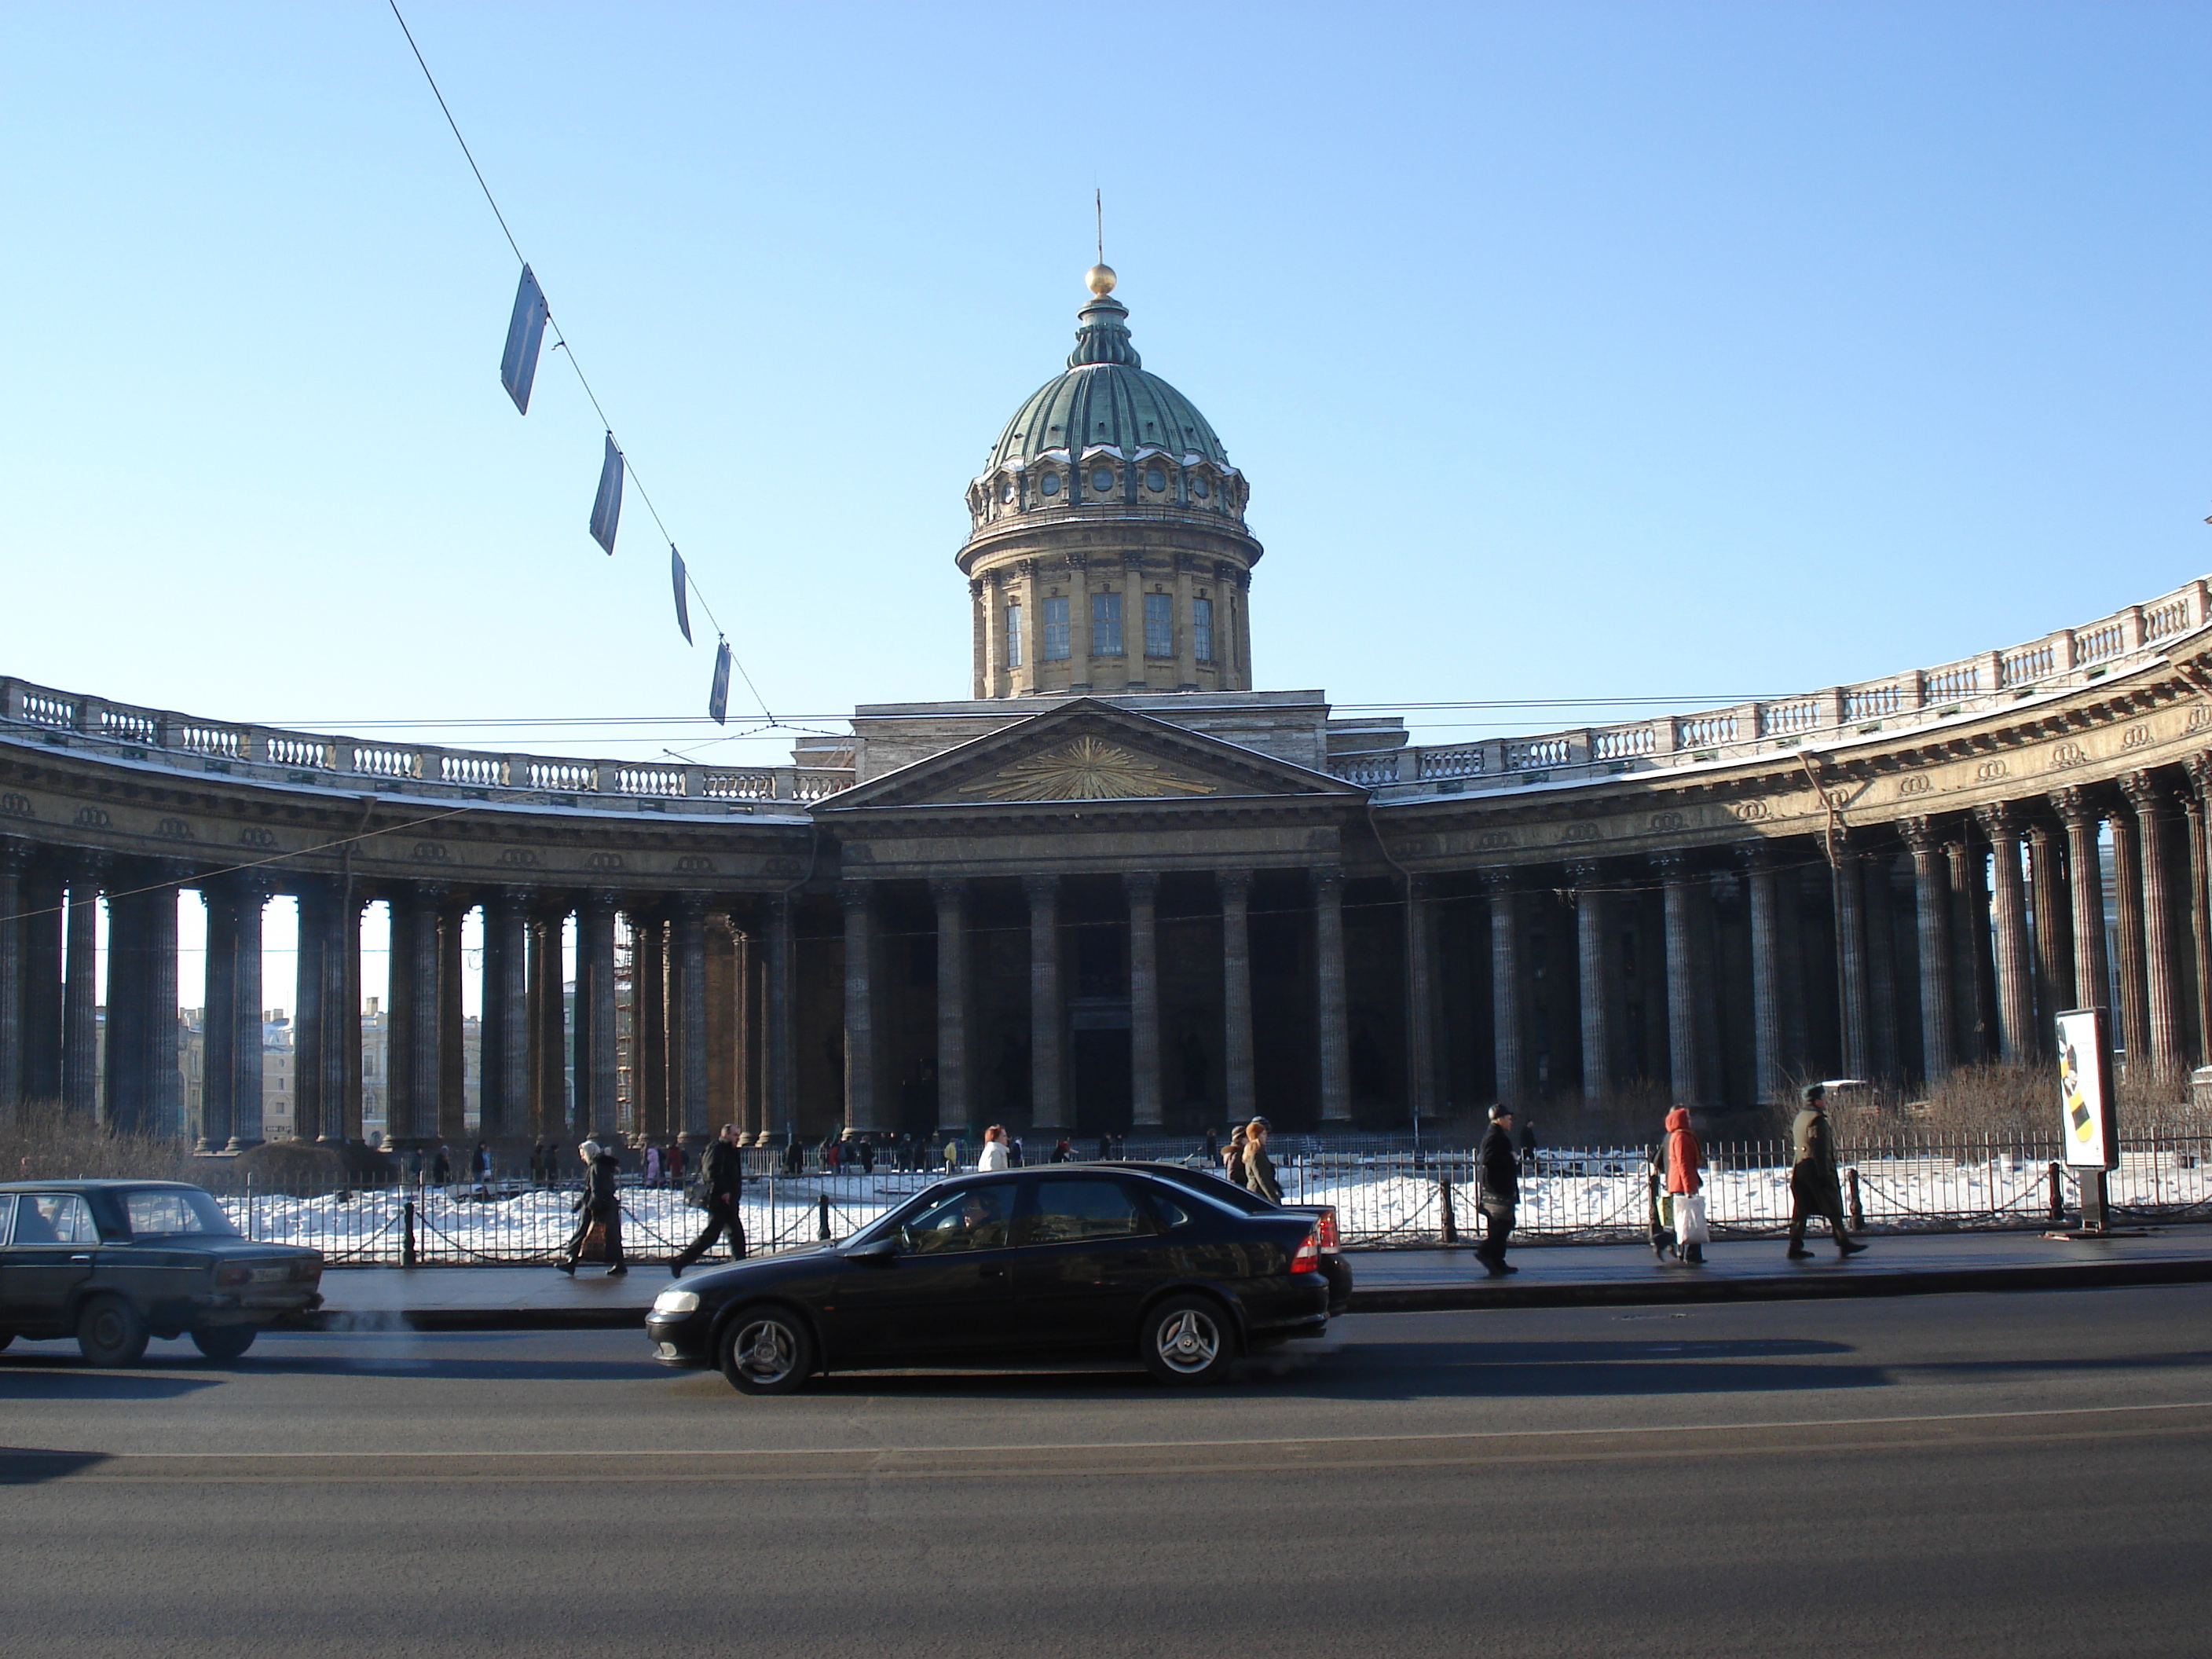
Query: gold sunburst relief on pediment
point(1089, 769)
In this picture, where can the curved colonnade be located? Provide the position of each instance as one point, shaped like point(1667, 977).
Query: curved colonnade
point(1885, 881)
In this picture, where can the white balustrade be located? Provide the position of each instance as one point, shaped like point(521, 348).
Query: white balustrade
point(1535, 753)
point(2025, 666)
point(1786, 719)
point(380, 763)
point(721, 785)
point(1705, 731)
point(2100, 643)
point(1623, 743)
point(221, 742)
point(649, 780)
point(1461, 760)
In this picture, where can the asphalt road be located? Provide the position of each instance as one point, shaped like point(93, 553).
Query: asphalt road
point(2022, 1475)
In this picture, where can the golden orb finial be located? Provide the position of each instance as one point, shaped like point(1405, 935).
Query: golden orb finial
point(1100, 280)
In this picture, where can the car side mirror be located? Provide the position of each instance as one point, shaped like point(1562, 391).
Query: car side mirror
point(880, 1253)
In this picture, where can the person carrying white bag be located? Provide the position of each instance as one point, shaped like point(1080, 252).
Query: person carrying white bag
point(1685, 1187)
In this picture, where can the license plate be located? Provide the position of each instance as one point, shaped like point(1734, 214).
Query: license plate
point(272, 1275)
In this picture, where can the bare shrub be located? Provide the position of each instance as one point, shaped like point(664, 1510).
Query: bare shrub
point(44, 1140)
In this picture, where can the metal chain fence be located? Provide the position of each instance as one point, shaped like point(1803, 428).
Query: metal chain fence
point(1387, 1198)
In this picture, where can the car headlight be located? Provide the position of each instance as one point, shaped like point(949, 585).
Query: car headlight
point(675, 1302)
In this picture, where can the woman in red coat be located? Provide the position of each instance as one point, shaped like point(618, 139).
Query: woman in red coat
point(1684, 1158)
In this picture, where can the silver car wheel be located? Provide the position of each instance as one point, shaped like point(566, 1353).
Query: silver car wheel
point(765, 1353)
point(1189, 1342)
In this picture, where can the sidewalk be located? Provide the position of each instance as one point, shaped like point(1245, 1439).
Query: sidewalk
point(1384, 1281)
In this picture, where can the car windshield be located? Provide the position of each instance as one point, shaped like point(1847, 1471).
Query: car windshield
point(164, 1212)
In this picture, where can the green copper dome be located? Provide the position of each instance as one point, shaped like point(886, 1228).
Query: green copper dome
point(1105, 400)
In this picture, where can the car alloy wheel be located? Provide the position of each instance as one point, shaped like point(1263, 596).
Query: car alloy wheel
point(1188, 1341)
point(767, 1351)
point(223, 1342)
point(109, 1332)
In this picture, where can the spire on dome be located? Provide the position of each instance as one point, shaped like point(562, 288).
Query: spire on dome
point(1104, 336)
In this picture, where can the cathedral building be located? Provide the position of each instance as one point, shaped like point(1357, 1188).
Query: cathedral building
point(1119, 890)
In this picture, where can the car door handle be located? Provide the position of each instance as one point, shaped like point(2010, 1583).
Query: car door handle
point(990, 1273)
point(82, 1258)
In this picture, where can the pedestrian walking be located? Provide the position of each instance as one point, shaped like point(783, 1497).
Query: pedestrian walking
point(1213, 1149)
point(1528, 1138)
point(1014, 1147)
point(952, 1154)
point(996, 1154)
point(1062, 1152)
point(652, 1165)
point(1814, 1189)
point(1232, 1156)
point(1686, 1188)
point(1105, 1148)
point(1259, 1168)
point(442, 1168)
point(600, 1209)
point(673, 1163)
point(722, 1184)
point(480, 1167)
point(1498, 1191)
point(867, 1155)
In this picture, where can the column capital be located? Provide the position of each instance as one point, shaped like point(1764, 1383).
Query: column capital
point(87, 867)
point(855, 896)
point(1922, 835)
point(2002, 820)
point(1499, 880)
point(1325, 876)
point(602, 902)
point(1041, 889)
point(1237, 882)
point(507, 901)
point(974, 587)
point(1141, 885)
point(2145, 794)
point(691, 907)
point(2077, 807)
point(14, 855)
point(1585, 874)
point(432, 894)
point(949, 890)
point(1753, 857)
point(1673, 866)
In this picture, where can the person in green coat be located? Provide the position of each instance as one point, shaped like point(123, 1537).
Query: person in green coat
point(1813, 1187)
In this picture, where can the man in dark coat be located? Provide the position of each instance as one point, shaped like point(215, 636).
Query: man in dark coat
point(599, 1206)
point(1499, 1174)
point(722, 1173)
point(1814, 1189)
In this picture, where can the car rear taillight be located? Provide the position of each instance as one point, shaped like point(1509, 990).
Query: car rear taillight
point(1308, 1259)
point(1327, 1230)
point(234, 1276)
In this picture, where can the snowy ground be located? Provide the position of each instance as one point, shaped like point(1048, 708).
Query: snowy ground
point(1379, 1204)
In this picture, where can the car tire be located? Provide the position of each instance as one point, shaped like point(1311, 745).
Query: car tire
point(225, 1342)
point(111, 1332)
point(766, 1350)
point(1188, 1341)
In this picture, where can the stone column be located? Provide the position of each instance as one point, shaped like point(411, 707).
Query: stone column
point(2052, 905)
point(2150, 801)
point(253, 887)
point(2015, 965)
point(1335, 1011)
point(218, 1016)
point(1886, 1049)
point(342, 1050)
point(1235, 888)
point(1766, 994)
point(1596, 1011)
point(1931, 904)
point(1505, 984)
point(122, 1071)
point(952, 1090)
point(43, 905)
point(1850, 955)
point(2127, 933)
point(2078, 810)
point(1971, 1000)
point(782, 1056)
point(690, 962)
point(1142, 889)
point(649, 1035)
point(1420, 997)
point(2200, 916)
point(164, 1108)
point(1047, 1073)
point(310, 981)
point(598, 1063)
point(411, 1057)
point(503, 1039)
point(855, 897)
point(453, 1042)
point(80, 990)
point(14, 861)
point(1686, 1066)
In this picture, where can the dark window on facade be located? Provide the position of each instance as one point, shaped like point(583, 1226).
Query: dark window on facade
point(1202, 629)
point(1105, 624)
point(1055, 629)
point(1159, 625)
point(1013, 636)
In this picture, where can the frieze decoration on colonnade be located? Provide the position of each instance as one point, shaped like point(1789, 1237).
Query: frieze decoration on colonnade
point(2158, 715)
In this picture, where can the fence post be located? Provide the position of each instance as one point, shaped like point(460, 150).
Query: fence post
point(1851, 1199)
point(407, 1236)
point(822, 1226)
point(1445, 1198)
point(2057, 1197)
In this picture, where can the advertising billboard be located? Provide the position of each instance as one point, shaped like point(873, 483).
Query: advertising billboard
point(2087, 1122)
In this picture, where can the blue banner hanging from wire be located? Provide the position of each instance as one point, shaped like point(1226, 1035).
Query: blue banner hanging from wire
point(678, 579)
point(606, 509)
point(718, 697)
point(525, 331)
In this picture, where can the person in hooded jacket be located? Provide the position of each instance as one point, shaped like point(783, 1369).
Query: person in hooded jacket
point(1499, 1173)
point(599, 1206)
point(1232, 1157)
point(1686, 1187)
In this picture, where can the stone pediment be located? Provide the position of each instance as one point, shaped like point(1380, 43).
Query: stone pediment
point(1088, 751)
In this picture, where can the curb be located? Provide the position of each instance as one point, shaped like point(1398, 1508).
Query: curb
point(1838, 1282)
point(1677, 1286)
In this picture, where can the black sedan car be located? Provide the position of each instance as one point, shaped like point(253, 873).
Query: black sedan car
point(1333, 1267)
point(115, 1262)
point(1067, 1263)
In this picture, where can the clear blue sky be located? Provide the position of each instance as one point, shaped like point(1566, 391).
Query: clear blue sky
point(1571, 349)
